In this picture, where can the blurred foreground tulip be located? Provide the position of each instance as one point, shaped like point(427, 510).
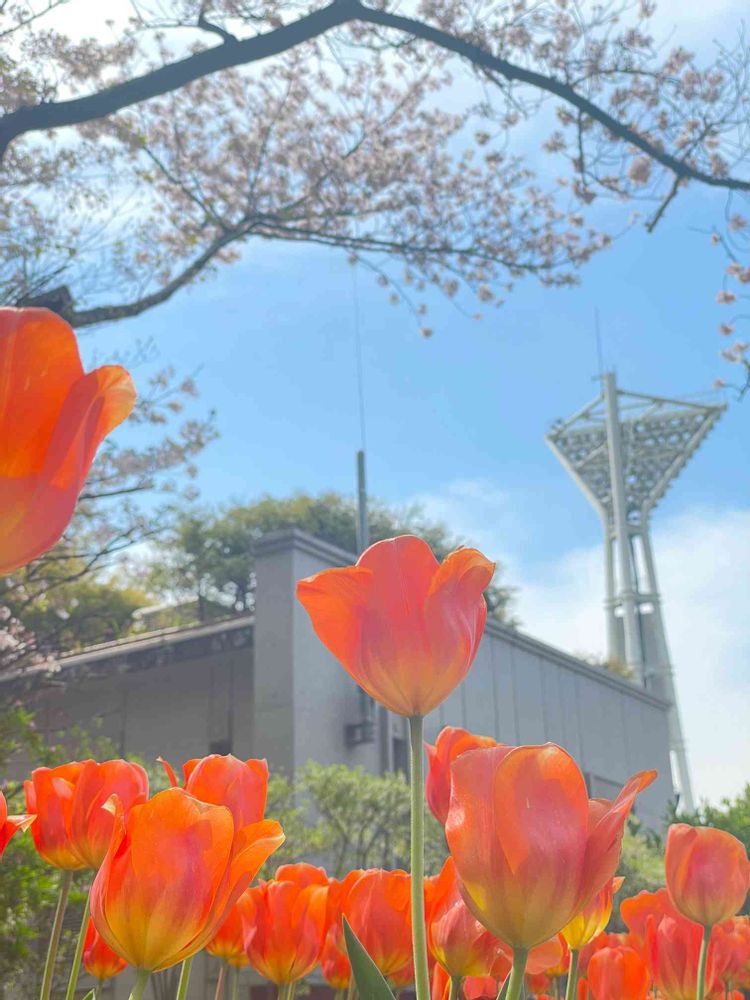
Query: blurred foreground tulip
point(708, 873)
point(618, 974)
point(173, 871)
point(72, 829)
point(449, 745)
point(53, 417)
point(289, 918)
point(405, 627)
point(98, 958)
point(10, 825)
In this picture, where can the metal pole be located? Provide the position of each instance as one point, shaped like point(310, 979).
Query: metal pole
point(664, 674)
point(363, 530)
point(633, 651)
point(614, 652)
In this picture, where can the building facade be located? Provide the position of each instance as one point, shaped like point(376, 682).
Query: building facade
point(264, 686)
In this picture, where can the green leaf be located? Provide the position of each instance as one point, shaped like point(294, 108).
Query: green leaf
point(91, 995)
point(370, 982)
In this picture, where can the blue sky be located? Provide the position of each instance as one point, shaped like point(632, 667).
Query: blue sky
point(457, 422)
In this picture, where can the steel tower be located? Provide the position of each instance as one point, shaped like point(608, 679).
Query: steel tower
point(624, 449)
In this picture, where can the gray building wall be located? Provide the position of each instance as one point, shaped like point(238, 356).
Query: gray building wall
point(265, 686)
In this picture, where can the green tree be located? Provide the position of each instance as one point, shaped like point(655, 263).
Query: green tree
point(346, 818)
point(208, 555)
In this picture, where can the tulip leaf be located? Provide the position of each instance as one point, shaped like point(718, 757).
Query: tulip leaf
point(367, 975)
point(91, 995)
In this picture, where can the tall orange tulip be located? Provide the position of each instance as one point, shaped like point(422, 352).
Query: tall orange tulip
point(72, 830)
point(377, 908)
point(173, 871)
point(231, 939)
point(53, 417)
point(289, 918)
point(405, 627)
point(530, 848)
point(10, 825)
point(98, 958)
point(224, 780)
point(618, 974)
point(455, 937)
point(708, 873)
point(449, 745)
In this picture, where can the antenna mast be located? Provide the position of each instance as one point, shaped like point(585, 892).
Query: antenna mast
point(624, 450)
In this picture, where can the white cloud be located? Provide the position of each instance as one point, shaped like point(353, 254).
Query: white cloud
point(703, 563)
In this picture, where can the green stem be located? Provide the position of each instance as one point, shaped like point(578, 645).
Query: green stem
point(701, 983)
point(75, 971)
point(455, 987)
point(515, 983)
point(54, 938)
point(504, 988)
point(220, 982)
point(570, 992)
point(140, 984)
point(419, 936)
point(182, 986)
point(235, 983)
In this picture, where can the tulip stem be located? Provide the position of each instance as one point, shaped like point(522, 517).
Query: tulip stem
point(235, 983)
point(419, 936)
point(455, 987)
point(570, 992)
point(54, 938)
point(140, 984)
point(517, 973)
point(75, 971)
point(220, 982)
point(701, 985)
point(182, 986)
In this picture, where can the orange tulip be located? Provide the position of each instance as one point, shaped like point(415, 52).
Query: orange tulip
point(53, 417)
point(593, 918)
point(708, 873)
point(290, 926)
point(98, 958)
point(377, 908)
point(636, 910)
point(334, 962)
point(479, 988)
point(73, 829)
point(10, 825)
point(550, 957)
point(455, 937)
point(174, 868)
point(673, 947)
point(530, 848)
point(231, 940)
point(731, 943)
point(405, 627)
point(223, 780)
point(618, 974)
point(449, 745)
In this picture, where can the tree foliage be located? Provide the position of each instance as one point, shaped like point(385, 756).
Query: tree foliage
point(208, 554)
point(192, 128)
point(346, 818)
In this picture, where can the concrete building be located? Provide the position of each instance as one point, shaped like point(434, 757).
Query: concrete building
point(264, 686)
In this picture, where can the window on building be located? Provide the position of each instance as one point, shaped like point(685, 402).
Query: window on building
point(220, 746)
point(400, 755)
